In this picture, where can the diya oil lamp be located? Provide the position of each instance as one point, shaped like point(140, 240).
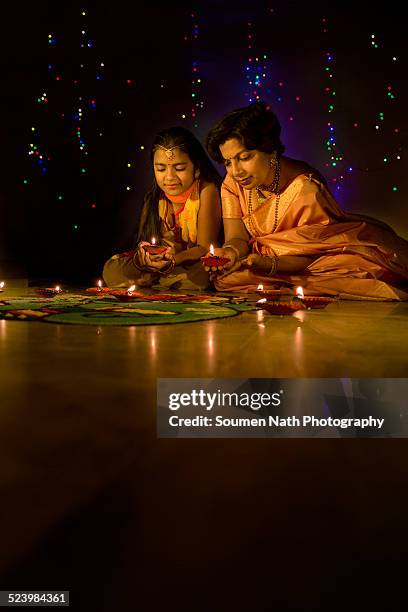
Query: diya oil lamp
point(49, 291)
point(99, 290)
point(269, 292)
point(126, 295)
point(214, 261)
point(278, 307)
point(153, 248)
point(2, 285)
point(313, 301)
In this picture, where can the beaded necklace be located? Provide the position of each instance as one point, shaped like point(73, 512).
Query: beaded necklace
point(273, 188)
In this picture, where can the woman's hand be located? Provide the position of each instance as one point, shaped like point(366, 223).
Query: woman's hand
point(222, 252)
point(257, 261)
point(230, 266)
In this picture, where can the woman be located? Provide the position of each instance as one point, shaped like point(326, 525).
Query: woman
point(182, 212)
point(283, 227)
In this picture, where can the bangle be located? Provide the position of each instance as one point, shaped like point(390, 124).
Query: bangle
point(230, 246)
point(136, 263)
point(172, 264)
point(274, 266)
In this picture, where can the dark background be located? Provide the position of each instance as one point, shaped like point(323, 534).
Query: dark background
point(63, 224)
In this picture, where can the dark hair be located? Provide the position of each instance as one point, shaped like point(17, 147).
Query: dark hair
point(256, 126)
point(186, 141)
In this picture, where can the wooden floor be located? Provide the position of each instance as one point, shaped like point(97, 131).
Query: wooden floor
point(93, 502)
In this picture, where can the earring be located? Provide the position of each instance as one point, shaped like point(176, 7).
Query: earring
point(272, 161)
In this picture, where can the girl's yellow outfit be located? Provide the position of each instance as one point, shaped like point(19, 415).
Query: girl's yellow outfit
point(179, 231)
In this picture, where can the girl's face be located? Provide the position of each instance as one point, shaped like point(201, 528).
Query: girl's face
point(249, 167)
point(174, 174)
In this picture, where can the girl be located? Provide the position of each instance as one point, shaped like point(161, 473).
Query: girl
point(181, 213)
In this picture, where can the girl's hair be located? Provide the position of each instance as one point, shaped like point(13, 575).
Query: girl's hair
point(256, 126)
point(186, 141)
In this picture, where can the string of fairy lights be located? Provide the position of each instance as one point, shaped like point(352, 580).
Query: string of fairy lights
point(258, 85)
point(54, 102)
point(78, 114)
point(197, 103)
point(390, 96)
point(255, 69)
point(336, 156)
point(339, 162)
point(36, 148)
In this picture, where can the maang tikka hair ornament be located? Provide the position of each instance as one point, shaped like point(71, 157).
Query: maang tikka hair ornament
point(169, 152)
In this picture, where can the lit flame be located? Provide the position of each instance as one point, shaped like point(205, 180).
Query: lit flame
point(100, 284)
point(57, 288)
point(261, 301)
point(259, 288)
point(131, 289)
point(212, 249)
point(153, 241)
point(2, 284)
point(299, 292)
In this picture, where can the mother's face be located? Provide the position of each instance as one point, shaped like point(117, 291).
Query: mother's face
point(249, 167)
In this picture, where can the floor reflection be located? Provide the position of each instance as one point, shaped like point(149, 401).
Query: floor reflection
point(260, 319)
point(299, 345)
point(153, 341)
point(210, 340)
point(3, 329)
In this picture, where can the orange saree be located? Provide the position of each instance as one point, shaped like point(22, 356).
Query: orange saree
point(355, 256)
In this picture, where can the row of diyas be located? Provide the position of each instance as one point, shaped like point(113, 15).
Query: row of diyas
point(124, 295)
point(273, 303)
point(99, 290)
